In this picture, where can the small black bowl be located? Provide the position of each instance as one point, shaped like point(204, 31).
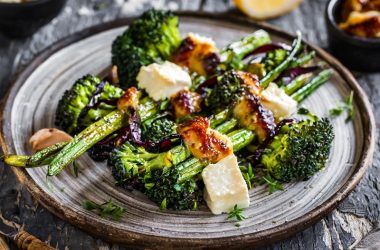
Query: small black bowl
point(23, 19)
point(356, 53)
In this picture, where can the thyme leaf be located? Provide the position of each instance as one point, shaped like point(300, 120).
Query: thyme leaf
point(107, 209)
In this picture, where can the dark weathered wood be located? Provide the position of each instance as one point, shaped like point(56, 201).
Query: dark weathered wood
point(357, 215)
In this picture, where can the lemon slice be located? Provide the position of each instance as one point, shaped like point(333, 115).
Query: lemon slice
point(263, 9)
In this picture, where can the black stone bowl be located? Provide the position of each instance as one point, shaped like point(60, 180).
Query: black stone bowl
point(23, 19)
point(356, 53)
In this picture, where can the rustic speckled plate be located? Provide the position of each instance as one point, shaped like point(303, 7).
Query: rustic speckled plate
point(32, 102)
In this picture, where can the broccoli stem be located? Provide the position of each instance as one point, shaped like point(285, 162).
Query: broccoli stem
point(302, 60)
point(296, 84)
point(147, 108)
point(193, 166)
point(296, 47)
point(95, 133)
point(40, 158)
point(219, 118)
point(315, 83)
point(227, 126)
point(233, 54)
point(86, 139)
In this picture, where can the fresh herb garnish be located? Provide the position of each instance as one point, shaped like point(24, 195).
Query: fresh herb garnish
point(248, 175)
point(273, 185)
point(350, 107)
point(107, 209)
point(337, 111)
point(236, 213)
point(164, 104)
point(303, 111)
point(163, 204)
point(345, 106)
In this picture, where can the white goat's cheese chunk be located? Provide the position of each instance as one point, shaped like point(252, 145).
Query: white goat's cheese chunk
point(225, 186)
point(276, 100)
point(161, 81)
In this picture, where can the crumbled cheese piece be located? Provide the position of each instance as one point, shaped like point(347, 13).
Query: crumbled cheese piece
point(276, 100)
point(163, 80)
point(225, 186)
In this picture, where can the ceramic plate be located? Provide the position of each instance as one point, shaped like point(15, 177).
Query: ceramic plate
point(32, 102)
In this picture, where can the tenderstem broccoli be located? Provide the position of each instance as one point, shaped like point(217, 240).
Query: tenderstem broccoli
point(299, 150)
point(150, 38)
point(85, 102)
point(233, 55)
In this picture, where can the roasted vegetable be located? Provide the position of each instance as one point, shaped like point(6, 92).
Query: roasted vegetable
point(232, 56)
point(151, 38)
point(299, 150)
point(274, 58)
point(271, 76)
point(229, 87)
point(176, 186)
point(227, 90)
point(120, 158)
point(96, 132)
point(157, 129)
point(88, 100)
point(163, 188)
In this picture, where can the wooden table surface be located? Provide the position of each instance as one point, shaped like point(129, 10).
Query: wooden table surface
point(354, 224)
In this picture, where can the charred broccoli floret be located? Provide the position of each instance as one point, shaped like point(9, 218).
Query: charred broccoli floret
point(157, 129)
point(225, 92)
point(299, 150)
point(157, 31)
point(87, 101)
point(163, 188)
point(151, 38)
point(134, 167)
point(128, 162)
point(129, 59)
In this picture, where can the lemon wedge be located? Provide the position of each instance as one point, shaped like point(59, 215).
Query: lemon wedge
point(263, 9)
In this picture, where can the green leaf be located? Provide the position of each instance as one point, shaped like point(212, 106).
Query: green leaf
point(163, 204)
point(149, 186)
point(236, 213)
point(248, 175)
point(350, 107)
point(107, 209)
point(164, 104)
point(273, 185)
point(337, 111)
point(347, 106)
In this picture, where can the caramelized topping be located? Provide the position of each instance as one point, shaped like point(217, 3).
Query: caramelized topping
point(129, 99)
point(251, 81)
point(203, 142)
point(253, 116)
point(185, 103)
point(198, 54)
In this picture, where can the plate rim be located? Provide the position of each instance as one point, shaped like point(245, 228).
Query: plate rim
point(96, 227)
